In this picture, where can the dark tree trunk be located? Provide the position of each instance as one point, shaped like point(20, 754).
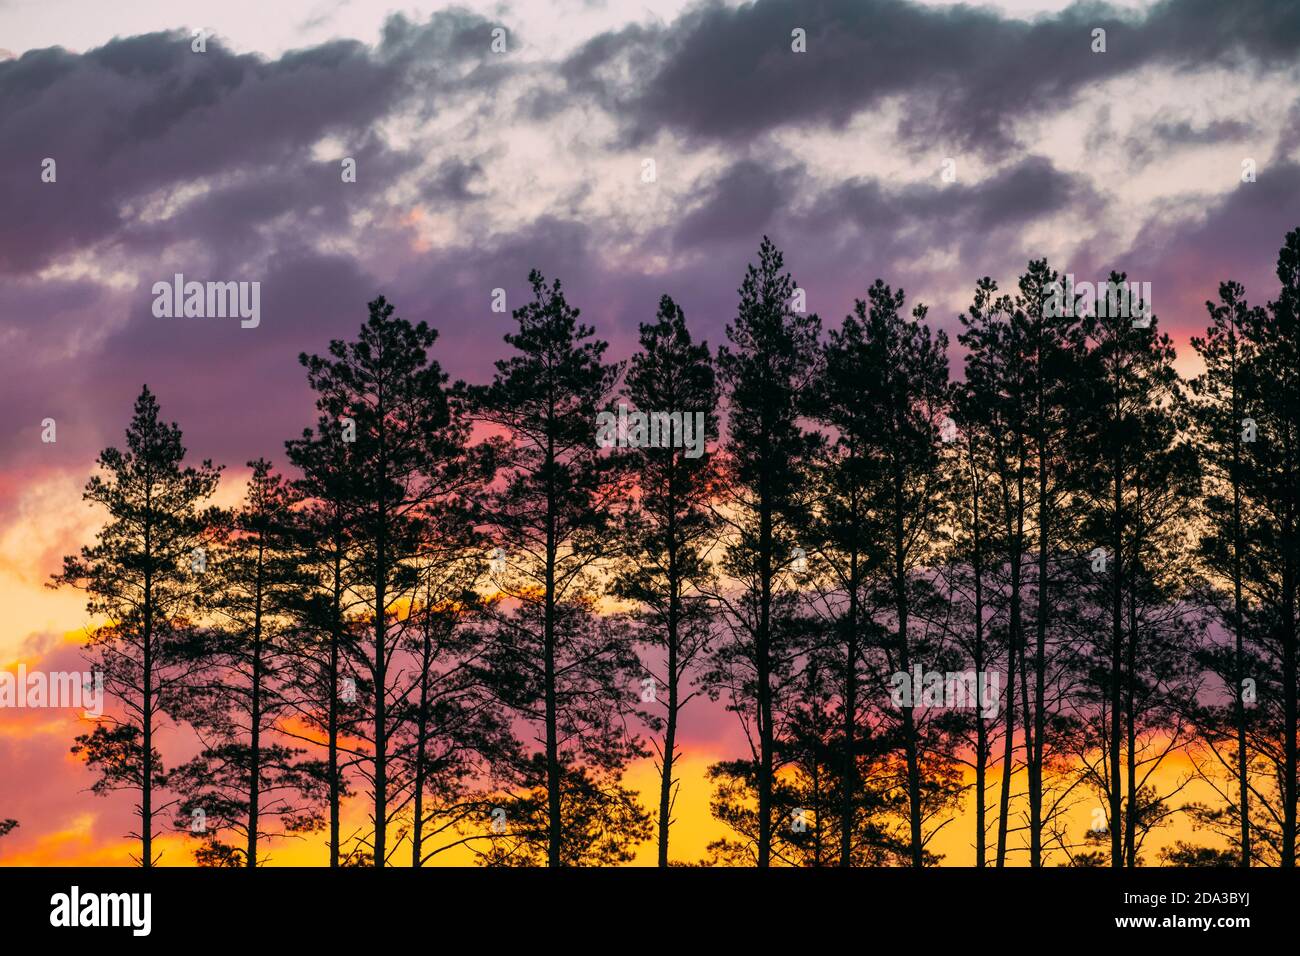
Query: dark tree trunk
point(1116, 665)
point(553, 780)
point(849, 773)
point(255, 743)
point(332, 731)
point(763, 665)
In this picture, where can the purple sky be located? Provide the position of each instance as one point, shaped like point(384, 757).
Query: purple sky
point(475, 166)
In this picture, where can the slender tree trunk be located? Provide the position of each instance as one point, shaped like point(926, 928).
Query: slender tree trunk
point(1015, 654)
point(381, 649)
point(1239, 624)
point(670, 731)
point(764, 668)
point(146, 713)
point(1130, 705)
point(981, 729)
point(1035, 755)
point(336, 637)
point(1027, 728)
point(421, 737)
point(1289, 723)
point(255, 743)
point(381, 723)
point(849, 773)
point(1008, 745)
point(819, 729)
point(553, 780)
point(1022, 645)
point(1116, 663)
point(910, 741)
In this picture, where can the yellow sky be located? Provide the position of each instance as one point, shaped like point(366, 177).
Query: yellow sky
point(46, 527)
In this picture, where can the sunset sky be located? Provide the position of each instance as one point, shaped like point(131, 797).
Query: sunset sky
point(474, 166)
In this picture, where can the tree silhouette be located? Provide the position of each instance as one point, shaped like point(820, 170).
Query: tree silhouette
point(770, 362)
point(987, 522)
point(1271, 548)
point(326, 605)
point(563, 669)
point(1016, 399)
point(1221, 397)
point(145, 577)
point(246, 775)
point(387, 397)
point(670, 528)
point(439, 605)
point(1138, 473)
point(901, 368)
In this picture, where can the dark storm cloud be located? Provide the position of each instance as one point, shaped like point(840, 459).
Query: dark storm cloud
point(146, 119)
point(1186, 133)
point(147, 113)
point(738, 203)
point(967, 74)
point(748, 198)
point(1169, 136)
point(1013, 196)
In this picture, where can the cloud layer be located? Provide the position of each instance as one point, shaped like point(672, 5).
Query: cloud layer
point(475, 166)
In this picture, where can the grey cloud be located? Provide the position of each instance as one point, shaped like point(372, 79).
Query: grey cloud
point(739, 203)
point(146, 113)
point(1177, 134)
point(935, 214)
point(454, 179)
point(968, 74)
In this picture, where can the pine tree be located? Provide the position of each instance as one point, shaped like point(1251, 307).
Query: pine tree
point(999, 394)
point(1018, 396)
point(852, 558)
point(770, 362)
point(901, 369)
point(1272, 477)
point(326, 608)
point(388, 399)
point(1221, 398)
point(1138, 472)
point(562, 668)
point(976, 539)
point(670, 528)
point(247, 780)
point(144, 576)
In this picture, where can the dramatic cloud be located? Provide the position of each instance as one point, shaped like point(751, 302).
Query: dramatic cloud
point(131, 121)
point(475, 167)
point(967, 73)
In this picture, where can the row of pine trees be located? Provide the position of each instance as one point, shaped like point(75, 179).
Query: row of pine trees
point(453, 608)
